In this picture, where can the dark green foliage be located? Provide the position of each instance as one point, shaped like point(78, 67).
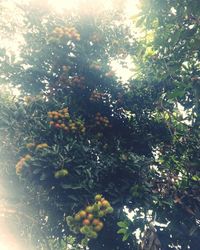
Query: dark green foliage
point(114, 156)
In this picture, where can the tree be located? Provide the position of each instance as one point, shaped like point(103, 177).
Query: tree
point(79, 131)
point(168, 52)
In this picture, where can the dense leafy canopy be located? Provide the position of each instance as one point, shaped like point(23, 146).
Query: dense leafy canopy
point(78, 130)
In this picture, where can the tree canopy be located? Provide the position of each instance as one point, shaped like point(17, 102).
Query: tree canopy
point(84, 147)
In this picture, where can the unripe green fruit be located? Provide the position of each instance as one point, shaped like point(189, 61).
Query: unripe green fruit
point(101, 213)
point(75, 230)
point(92, 235)
point(84, 242)
point(109, 210)
point(96, 207)
point(85, 230)
point(77, 217)
point(69, 220)
point(61, 173)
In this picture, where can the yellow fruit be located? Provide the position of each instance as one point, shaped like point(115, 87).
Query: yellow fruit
point(30, 145)
point(89, 209)
point(105, 203)
point(98, 227)
point(65, 110)
point(98, 197)
point(77, 217)
point(82, 214)
point(61, 173)
point(27, 157)
point(99, 204)
point(90, 216)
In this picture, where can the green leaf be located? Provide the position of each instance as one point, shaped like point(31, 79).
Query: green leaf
point(122, 224)
point(196, 178)
point(196, 45)
point(121, 231)
point(43, 177)
point(36, 171)
point(68, 186)
point(140, 21)
point(175, 37)
point(176, 93)
point(125, 237)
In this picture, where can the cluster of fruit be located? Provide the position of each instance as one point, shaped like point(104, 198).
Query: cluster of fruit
point(61, 119)
point(19, 166)
point(102, 120)
point(87, 222)
point(77, 81)
point(70, 32)
point(97, 96)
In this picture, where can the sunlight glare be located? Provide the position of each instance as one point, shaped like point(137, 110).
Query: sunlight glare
point(61, 5)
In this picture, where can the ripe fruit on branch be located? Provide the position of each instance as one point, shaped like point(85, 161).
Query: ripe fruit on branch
point(90, 217)
point(30, 145)
point(86, 222)
point(89, 209)
point(61, 119)
point(98, 227)
point(20, 165)
point(102, 120)
point(98, 197)
point(82, 214)
point(95, 222)
point(69, 32)
point(105, 203)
